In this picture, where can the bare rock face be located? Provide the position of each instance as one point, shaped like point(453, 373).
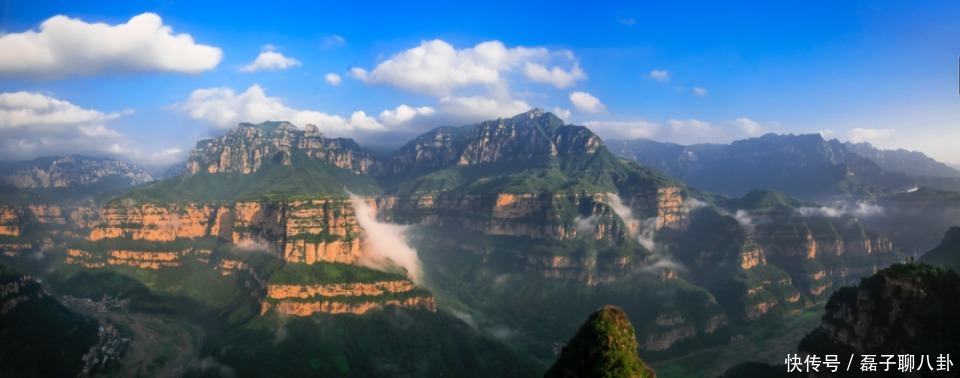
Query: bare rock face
point(248, 148)
point(74, 172)
point(903, 309)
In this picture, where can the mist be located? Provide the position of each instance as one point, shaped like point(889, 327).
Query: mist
point(862, 210)
point(254, 245)
point(745, 220)
point(384, 244)
point(644, 230)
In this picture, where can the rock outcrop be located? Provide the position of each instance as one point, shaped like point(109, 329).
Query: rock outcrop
point(248, 148)
point(74, 172)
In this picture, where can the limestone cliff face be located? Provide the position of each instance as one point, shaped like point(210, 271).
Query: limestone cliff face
point(900, 310)
point(73, 172)
point(17, 290)
point(534, 134)
point(322, 230)
point(335, 290)
point(9, 221)
point(336, 307)
point(344, 153)
point(248, 148)
point(138, 259)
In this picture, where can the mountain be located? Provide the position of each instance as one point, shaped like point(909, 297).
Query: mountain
point(912, 163)
point(903, 309)
point(39, 337)
point(947, 254)
point(72, 172)
point(914, 220)
point(806, 166)
point(498, 235)
point(605, 346)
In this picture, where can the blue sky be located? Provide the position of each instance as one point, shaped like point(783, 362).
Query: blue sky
point(145, 80)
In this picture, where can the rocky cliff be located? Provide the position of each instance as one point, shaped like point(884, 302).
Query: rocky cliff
point(39, 337)
point(807, 166)
point(912, 163)
point(903, 309)
point(248, 148)
point(72, 172)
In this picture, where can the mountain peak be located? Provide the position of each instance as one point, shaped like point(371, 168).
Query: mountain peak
point(605, 346)
point(530, 114)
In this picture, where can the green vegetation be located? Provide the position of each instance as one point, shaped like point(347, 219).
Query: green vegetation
point(389, 342)
point(305, 178)
point(605, 346)
point(330, 273)
point(40, 337)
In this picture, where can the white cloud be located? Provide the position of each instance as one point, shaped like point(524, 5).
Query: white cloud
point(745, 220)
point(437, 68)
point(332, 79)
point(403, 114)
point(623, 129)
point(628, 21)
point(858, 135)
point(482, 107)
point(27, 108)
point(556, 76)
point(332, 41)
point(660, 75)
point(584, 101)
point(827, 133)
point(271, 60)
point(692, 128)
point(564, 114)
point(862, 210)
point(33, 124)
point(749, 126)
point(168, 156)
point(700, 91)
point(66, 47)
point(225, 109)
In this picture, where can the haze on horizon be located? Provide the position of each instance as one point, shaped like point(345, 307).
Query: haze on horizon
point(144, 83)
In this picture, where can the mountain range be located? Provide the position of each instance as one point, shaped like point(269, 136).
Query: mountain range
point(469, 249)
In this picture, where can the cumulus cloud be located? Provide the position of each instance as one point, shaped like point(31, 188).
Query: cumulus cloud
point(693, 128)
point(624, 129)
point(225, 109)
point(270, 60)
point(332, 79)
point(403, 114)
point(585, 102)
point(332, 41)
point(748, 126)
point(827, 133)
point(700, 91)
point(65, 47)
point(859, 135)
point(564, 114)
point(384, 243)
point(660, 75)
point(34, 124)
point(556, 76)
point(437, 68)
point(482, 107)
point(168, 156)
